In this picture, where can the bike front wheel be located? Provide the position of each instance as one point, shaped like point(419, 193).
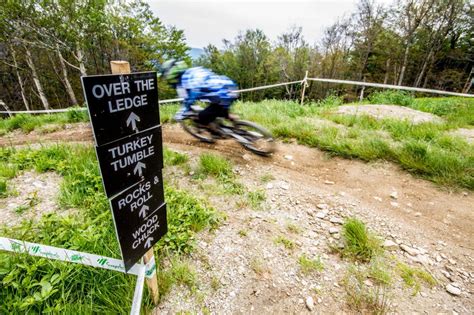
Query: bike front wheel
point(254, 138)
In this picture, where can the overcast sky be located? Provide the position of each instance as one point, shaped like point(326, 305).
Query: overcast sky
point(210, 21)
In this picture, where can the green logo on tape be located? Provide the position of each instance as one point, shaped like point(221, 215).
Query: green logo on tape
point(101, 261)
point(77, 258)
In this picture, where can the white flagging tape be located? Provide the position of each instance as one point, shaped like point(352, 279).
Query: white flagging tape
point(389, 86)
point(173, 100)
point(138, 294)
point(269, 86)
point(33, 249)
point(304, 81)
point(44, 111)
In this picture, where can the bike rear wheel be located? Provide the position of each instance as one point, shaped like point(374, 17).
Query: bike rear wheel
point(193, 128)
point(254, 138)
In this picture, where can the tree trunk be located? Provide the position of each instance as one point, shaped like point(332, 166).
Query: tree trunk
point(69, 89)
point(80, 58)
point(395, 73)
point(468, 84)
point(20, 81)
point(426, 61)
point(387, 68)
point(6, 107)
point(38, 85)
point(404, 64)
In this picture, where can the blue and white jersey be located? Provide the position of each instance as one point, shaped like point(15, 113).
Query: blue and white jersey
point(200, 84)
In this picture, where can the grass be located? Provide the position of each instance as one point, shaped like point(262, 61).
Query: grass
point(423, 149)
point(72, 288)
point(215, 283)
point(28, 122)
point(215, 165)
point(256, 198)
point(243, 233)
point(172, 158)
point(379, 272)
point(220, 168)
point(293, 228)
point(391, 97)
point(308, 266)
point(414, 277)
point(257, 266)
point(3, 188)
point(360, 244)
point(288, 244)
point(266, 178)
point(180, 272)
point(363, 298)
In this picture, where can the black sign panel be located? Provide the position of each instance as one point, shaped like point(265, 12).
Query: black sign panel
point(126, 161)
point(121, 105)
point(125, 118)
point(140, 218)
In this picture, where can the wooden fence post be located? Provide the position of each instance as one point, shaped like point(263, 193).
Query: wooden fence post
point(304, 86)
point(123, 67)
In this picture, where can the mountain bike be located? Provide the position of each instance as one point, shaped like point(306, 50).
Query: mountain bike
point(248, 134)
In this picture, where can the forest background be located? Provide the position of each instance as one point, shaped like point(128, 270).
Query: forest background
point(46, 46)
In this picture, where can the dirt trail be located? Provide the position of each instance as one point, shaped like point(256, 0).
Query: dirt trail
point(442, 214)
point(397, 205)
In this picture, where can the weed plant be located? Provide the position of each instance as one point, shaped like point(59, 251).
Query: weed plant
point(308, 265)
point(3, 188)
point(256, 198)
point(359, 243)
point(363, 298)
point(414, 277)
point(172, 158)
point(220, 168)
point(36, 285)
point(180, 272)
point(288, 244)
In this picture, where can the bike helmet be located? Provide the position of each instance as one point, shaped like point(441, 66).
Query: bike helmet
point(171, 70)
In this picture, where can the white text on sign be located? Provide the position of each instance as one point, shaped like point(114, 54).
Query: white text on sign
point(123, 88)
point(137, 197)
point(145, 230)
point(141, 149)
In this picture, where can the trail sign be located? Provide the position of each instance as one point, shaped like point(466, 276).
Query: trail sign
point(121, 105)
point(140, 217)
point(124, 162)
point(125, 118)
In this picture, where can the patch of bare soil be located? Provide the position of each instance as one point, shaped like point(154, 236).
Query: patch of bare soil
point(465, 133)
point(71, 132)
point(243, 270)
point(31, 196)
point(389, 111)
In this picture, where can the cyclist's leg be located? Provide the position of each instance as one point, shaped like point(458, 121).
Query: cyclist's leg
point(209, 114)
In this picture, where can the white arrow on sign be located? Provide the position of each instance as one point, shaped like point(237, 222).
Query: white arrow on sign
point(143, 211)
point(132, 120)
point(138, 168)
point(148, 242)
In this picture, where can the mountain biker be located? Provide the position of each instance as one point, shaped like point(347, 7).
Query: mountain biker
point(200, 84)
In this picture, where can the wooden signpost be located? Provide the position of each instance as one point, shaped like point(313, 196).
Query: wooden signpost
point(124, 113)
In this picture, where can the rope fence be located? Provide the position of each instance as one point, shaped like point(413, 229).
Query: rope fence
point(304, 82)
